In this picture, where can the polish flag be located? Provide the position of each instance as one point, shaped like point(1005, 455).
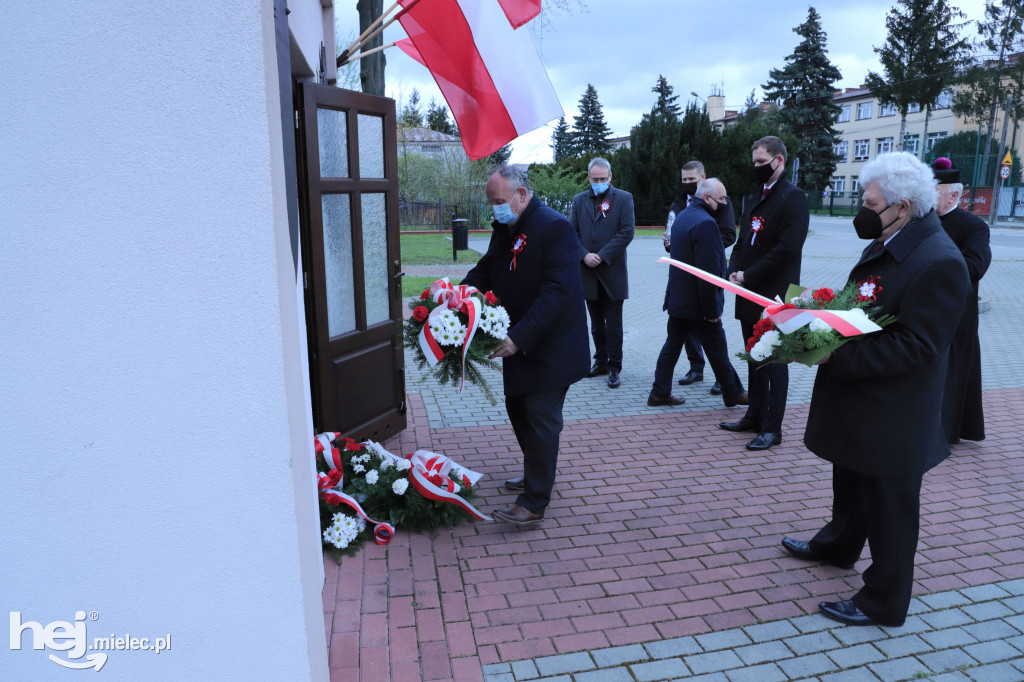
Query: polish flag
point(489, 73)
point(520, 12)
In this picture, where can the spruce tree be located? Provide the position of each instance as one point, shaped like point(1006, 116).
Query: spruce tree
point(805, 88)
point(411, 116)
point(918, 58)
point(437, 118)
point(561, 141)
point(590, 132)
point(666, 104)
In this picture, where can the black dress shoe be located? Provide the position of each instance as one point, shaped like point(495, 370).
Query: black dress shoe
point(654, 401)
point(518, 515)
point(598, 369)
point(741, 426)
point(764, 441)
point(717, 389)
point(845, 612)
point(738, 399)
point(802, 550)
point(613, 378)
point(691, 377)
point(516, 483)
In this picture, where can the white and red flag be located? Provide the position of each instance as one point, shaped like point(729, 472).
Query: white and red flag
point(489, 73)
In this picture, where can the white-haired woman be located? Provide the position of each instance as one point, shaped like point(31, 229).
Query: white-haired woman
point(876, 406)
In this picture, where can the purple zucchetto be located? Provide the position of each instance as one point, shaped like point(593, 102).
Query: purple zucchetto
point(944, 171)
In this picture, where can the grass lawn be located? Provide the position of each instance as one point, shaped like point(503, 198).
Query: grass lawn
point(432, 249)
point(414, 286)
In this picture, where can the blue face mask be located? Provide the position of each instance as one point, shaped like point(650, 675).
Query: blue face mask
point(599, 187)
point(504, 214)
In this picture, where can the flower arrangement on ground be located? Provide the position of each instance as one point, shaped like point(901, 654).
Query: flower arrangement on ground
point(366, 491)
point(443, 329)
point(814, 323)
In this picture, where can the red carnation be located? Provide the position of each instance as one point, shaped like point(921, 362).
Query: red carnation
point(335, 475)
point(353, 446)
point(750, 343)
point(420, 313)
point(425, 295)
point(823, 296)
point(346, 439)
point(332, 500)
point(491, 298)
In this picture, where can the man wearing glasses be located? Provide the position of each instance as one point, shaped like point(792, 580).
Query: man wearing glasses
point(695, 306)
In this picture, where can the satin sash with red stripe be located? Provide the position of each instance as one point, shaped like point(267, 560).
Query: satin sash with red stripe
point(459, 298)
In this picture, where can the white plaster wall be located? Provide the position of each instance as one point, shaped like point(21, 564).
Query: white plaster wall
point(154, 436)
point(311, 23)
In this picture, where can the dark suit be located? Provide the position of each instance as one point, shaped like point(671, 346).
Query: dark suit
point(875, 412)
point(962, 413)
point(725, 216)
point(770, 261)
point(605, 287)
point(690, 301)
point(544, 300)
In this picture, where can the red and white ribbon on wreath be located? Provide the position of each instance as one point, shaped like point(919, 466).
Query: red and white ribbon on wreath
point(323, 444)
point(788, 320)
point(459, 298)
point(382, 532)
point(429, 474)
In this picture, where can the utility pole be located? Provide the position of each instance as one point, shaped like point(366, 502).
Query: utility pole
point(997, 183)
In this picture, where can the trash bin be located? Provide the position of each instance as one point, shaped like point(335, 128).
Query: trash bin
point(460, 234)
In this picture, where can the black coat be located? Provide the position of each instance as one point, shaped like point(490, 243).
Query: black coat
point(607, 235)
point(962, 413)
point(543, 298)
point(876, 404)
point(695, 241)
point(770, 261)
point(725, 216)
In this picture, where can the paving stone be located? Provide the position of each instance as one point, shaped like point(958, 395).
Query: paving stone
point(663, 669)
point(949, 618)
point(898, 647)
point(852, 675)
point(911, 625)
point(1013, 586)
point(812, 623)
point(990, 652)
point(995, 672)
point(1016, 642)
point(944, 600)
point(945, 639)
point(859, 635)
point(620, 674)
point(679, 646)
point(954, 676)
point(990, 630)
point(813, 643)
point(856, 656)
point(713, 662)
point(948, 659)
point(727, 639)
point(899, 669)
point(805, 666)
point(984, 593)
point(764, 652)
point(768, 672)
point(765, 632)
point(499, 677)
point(525, 670)
point(1017, 622)
point(710, 677)
point(987, 611)
point(564, 663)
point(498, 672)
point(618, 655)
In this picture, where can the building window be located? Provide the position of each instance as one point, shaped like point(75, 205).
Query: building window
point(911, 143)
point(854, 186)
point(838, 186)
point(913, 108)
point(844, 114)
point(933, 138)
point(431, 148)
point(841, 150)
point(887, 110)
point(864, 110)
point(861, 149)
point(884, 145)
point(944, 101)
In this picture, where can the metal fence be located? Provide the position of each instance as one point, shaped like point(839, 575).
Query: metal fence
point(429, 216)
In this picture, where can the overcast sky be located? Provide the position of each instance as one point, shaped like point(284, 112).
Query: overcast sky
point(622, 47)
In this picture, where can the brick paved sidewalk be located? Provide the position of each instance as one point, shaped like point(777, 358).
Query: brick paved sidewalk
point(664, 527)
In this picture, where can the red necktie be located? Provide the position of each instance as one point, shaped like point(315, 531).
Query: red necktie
point(878, 246)
point(764, 193)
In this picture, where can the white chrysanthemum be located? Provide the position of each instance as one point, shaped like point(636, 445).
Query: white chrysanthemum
point(400, 486)
point(403, 465)
point(386, 464)
point(447, 338)
point(343, 530)
point(358, 468)
point(495, 322)
point(371, 476)
point(771, 337)
point(819, 325)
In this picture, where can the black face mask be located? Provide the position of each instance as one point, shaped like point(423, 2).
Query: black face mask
point(869, 224)
point(764, 172)
point(690, 189)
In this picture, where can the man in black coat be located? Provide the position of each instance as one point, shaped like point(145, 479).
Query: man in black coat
point(604, 223)
point(962, 413)
point(692, 174)
point(875, 407)
point(695, 306)
point(531, 265)
point(766, 260)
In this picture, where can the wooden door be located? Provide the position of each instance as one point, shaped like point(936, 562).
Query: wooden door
point(351, 263)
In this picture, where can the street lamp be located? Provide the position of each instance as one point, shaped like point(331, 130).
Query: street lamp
point(699, 97)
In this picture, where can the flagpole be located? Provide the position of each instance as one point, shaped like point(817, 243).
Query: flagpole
point(367, 53)
point(363, 39)
point(363, 36)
